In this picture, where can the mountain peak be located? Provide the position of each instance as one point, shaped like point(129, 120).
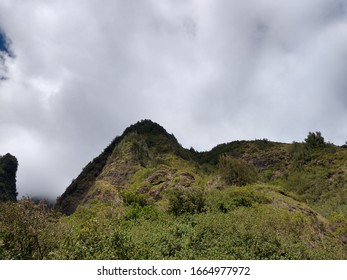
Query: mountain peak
point(140, 145)
point(147, 126)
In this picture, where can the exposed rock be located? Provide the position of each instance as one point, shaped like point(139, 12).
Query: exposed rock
point(156, 192)
point(186, 179)
point(162, 175)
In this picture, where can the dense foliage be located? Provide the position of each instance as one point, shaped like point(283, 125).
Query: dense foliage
point(315, 140)
point(236, 172)
point(28, 230)
point(234, 223)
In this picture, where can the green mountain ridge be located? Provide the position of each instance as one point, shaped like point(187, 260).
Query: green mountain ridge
point(146, 159)
point(147, 197)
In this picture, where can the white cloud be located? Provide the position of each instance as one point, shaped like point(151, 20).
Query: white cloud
point(208, 71)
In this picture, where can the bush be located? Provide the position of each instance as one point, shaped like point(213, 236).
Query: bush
point(261, 233)
point(187, 200)
point(236, 172)
point(231, 198)
point(97, 238)
point(315, 140)
point(131, 198)
point(300, 153)
point(27, 230)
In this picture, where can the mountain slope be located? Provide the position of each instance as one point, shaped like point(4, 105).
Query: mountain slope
point(146, 160)
point(142, 145)
point(146, 197)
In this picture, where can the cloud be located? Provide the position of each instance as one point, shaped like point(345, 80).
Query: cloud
point(208, 71)
point(5, 55)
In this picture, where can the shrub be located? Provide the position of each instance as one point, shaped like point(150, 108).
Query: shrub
point(28, 230)
point(231, 198)
point(131, 198)
point(299, 152)
point(236, 172)
point(187, 200)
point(315, 140)
point(96, 238)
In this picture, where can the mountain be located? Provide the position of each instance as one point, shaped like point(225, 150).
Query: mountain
point(147, 197)
point(147, 161)
point(143, 145)
point(8, 171)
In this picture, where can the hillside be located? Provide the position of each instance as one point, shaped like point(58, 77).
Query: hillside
point(147, 197)
point(142, 146)
point(147, 160)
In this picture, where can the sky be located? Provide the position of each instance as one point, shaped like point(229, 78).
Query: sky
point(75, 74)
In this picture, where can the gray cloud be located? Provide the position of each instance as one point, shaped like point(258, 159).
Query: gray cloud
point(208, 71)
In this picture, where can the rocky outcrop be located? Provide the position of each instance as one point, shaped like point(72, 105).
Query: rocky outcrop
point(8, 171)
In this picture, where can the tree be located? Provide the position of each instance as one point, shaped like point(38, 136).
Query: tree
point(315, 140)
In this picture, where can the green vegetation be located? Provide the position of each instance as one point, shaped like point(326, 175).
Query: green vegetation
point(187, 201)
point(315, 140)
point(234, 223)
point(236, 172)
point(28, 230)
point(146, 197)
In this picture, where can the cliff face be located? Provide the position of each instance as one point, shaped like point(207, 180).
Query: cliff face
point(8, 171)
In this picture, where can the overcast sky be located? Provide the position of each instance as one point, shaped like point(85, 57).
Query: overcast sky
point(75, 74)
